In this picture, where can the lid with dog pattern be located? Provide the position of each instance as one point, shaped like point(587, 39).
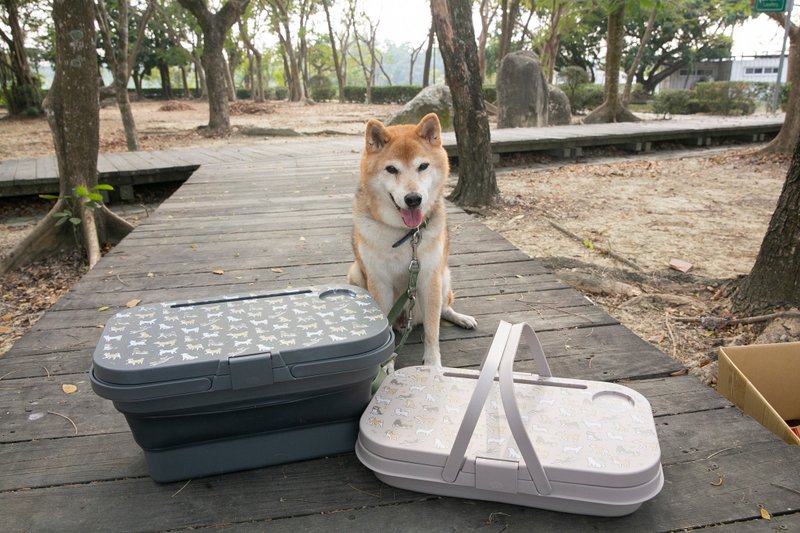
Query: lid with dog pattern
point(296, 329)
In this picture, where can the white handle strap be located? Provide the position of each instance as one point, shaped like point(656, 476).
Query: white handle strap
point(488, 371)
point(511, 407)
point(501, 354)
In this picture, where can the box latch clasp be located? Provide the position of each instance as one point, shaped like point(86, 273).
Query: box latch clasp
point(496, 475)
point(251, 370)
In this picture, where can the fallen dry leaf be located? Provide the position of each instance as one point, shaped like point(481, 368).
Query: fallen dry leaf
point(104, 308)
point(218, 271)
point(133, 303)
point(765, 514)
point(69, 388)
point(8, 317)
point(150, 275)
point(5, 329)
point(277, 270)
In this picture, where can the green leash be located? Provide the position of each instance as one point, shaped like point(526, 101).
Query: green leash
point(406, 301)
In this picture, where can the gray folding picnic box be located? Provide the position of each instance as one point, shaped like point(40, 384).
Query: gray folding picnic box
point(567, 445)
point(243, 381)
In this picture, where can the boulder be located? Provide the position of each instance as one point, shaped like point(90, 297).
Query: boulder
point(431, 99)
point(522, 94)
point(558, 109)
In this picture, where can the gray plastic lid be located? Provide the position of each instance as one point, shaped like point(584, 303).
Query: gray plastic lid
point(303, 328)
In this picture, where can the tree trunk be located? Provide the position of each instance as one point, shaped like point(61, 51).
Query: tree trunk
point(774, 280)
point(24, 95)
point(553, 40)
point(229, 86)
point(626, 94)
point(186, 93)
point(117, 59)
point(508, 19)
point(166, 82)
point(215, 27)
point(336, 63)
point(74, 119)
point(612, 109)
point(426, 69)
point(257, 88)
point(477, 184)
point(787, 138)
point(486, 21)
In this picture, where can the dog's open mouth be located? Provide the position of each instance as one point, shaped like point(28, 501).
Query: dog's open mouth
point(411, 217)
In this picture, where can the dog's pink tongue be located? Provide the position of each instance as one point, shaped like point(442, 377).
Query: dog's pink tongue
point(411, 217)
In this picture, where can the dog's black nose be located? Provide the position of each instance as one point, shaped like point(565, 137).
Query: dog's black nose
point(413, 199)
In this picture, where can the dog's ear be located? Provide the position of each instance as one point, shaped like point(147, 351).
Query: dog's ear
point(430, 129)
point(376, 135)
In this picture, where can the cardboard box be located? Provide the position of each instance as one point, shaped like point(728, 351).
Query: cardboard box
point(762, 380)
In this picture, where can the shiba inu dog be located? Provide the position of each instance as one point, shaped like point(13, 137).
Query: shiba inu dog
point(403, 173)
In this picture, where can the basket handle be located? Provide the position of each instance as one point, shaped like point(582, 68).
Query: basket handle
point(501, 354)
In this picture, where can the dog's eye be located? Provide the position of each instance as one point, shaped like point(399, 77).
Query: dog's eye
point(422, 167)
point(391, 169)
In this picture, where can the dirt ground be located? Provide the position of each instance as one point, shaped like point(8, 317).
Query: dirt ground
point(609, 225)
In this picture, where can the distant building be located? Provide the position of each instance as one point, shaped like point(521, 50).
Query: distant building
point(751, 68)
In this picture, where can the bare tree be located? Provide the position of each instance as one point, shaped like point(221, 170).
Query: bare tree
point(612, 110)
point(305, 11)
point(120, 62)
point(281, 16)
point(413, 59)
point(477, 184)
point(337, 65)
point(365, 46)
point(23, 95)
point(74, 119)
point(215, 26)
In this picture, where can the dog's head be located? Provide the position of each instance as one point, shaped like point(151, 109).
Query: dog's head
point(403, 171)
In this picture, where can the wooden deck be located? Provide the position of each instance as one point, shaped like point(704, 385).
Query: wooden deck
point(124, 170)
point(283, 219)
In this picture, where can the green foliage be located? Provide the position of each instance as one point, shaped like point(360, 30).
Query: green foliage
point(490, 93)
point(89, 198)
point(321, 88)
point(672, 102)
point(391, 94)
point(355, 94)
point(685, 33)
point(281, 93)
point(638, 94)
point(724, 98)
point(243, 94)
point(584, 97)
point(574, 76)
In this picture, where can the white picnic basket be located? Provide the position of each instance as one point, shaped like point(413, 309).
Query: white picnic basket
point(568, 445)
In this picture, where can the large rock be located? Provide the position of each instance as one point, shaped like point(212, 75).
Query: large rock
point(559, 112)
point(522, 94)
point(431, 99)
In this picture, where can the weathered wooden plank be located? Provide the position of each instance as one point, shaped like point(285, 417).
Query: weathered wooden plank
point(687, 500)
point(45, 462)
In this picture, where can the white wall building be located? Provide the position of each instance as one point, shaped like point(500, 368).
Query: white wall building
point(752, 68)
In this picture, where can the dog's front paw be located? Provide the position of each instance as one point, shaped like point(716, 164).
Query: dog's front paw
point(461, 320)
